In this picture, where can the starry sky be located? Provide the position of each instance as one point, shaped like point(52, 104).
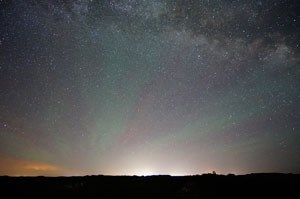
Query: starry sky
point(140, 87)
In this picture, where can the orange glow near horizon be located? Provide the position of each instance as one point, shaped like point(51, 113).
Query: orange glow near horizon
point(17, 167)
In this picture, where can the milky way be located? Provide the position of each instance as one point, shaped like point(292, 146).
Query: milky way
point(149, 87)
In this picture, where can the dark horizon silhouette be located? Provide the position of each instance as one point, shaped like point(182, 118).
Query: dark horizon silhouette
point(159, 186)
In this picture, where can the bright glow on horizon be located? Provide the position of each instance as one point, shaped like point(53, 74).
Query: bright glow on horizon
point(144, 172)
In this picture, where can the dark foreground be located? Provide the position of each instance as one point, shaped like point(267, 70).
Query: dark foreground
point(204, 186)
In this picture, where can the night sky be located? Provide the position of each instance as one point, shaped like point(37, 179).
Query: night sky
point(139, 87)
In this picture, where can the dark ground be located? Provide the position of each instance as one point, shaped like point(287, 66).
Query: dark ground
point(204, 186)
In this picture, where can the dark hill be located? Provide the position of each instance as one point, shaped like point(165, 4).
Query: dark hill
point(200, 186)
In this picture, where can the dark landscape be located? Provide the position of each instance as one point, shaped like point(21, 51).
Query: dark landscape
point(161, 186)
